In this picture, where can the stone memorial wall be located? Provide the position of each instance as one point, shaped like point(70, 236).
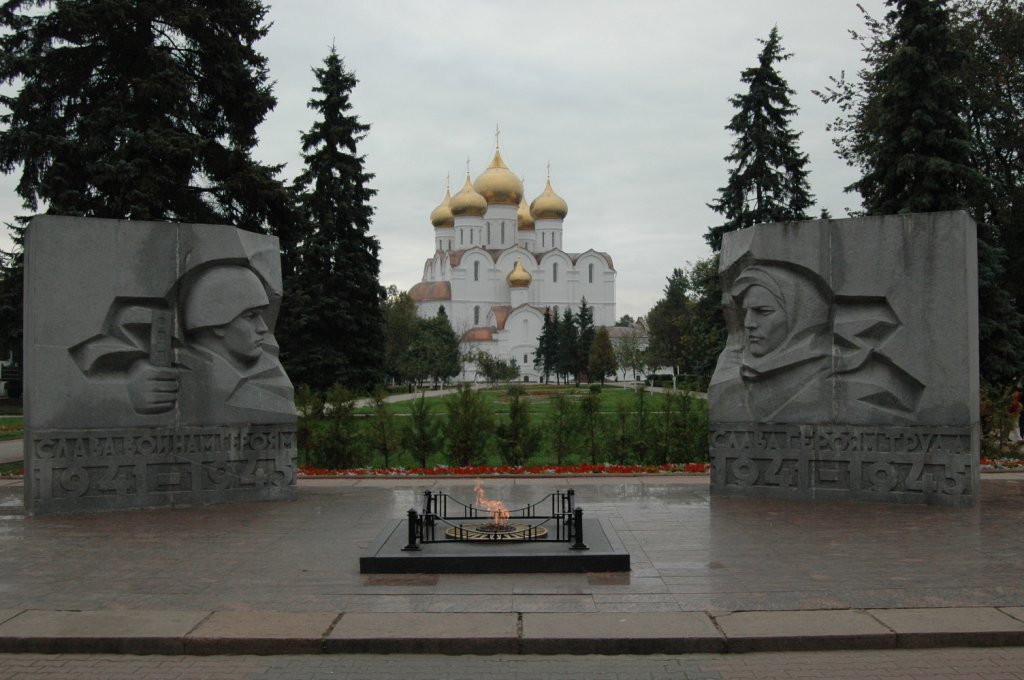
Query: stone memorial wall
point(851, 366)
point(151, 369)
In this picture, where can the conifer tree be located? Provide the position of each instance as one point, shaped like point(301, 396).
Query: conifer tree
point(602, 356)
point(585, 336)
point(141, 110)
point(769, 180)
point(335, 325)
point(568, 342)
point(919, 154)
point(440, 346)
point(547, 344)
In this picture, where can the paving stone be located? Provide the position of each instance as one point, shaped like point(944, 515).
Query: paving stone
point(261, 632)
point(952, 626)
point(431, 633)
point(112, 631)
point(615, 633)
point(803, 630)
point(7, 614)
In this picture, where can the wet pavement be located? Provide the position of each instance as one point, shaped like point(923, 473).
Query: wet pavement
point(689, 552)
point(708, 575)
point(12, 450)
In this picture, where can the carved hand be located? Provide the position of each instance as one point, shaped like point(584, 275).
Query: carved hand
point(152, 389)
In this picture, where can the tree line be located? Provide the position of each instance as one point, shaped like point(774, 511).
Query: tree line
point(570, 347)
point(149, 110)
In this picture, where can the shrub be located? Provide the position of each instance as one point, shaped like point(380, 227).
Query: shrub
point(470, 425)
point(517, 438)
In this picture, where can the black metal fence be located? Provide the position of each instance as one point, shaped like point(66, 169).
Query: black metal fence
point(562, 523)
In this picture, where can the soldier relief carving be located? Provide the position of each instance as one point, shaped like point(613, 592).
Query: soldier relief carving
point(799, 354)
point(154, 371)
point(221, 367)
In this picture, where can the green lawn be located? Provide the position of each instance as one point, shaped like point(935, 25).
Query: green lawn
point(11, 427)
point(9, 469)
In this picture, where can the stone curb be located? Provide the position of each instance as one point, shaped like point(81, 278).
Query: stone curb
point(264, 632)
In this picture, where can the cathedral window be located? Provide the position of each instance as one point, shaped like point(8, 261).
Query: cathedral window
point(470, 237)
point(543, 239)
point(476, 315)
point(590, 272)
point(462, 237)
point(502, 233)
point(476, 271)
point(488, 232)
point(524, 359)
point(554, 273)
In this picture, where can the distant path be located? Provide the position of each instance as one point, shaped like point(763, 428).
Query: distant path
point(410, 396)
point(12, 451)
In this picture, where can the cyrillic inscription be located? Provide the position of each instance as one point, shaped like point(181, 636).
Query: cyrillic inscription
point(160, 466)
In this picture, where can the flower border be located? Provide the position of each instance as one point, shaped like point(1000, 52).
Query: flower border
point(509, 470)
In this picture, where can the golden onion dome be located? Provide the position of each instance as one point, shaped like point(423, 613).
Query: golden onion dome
point(468, 202)
point(524, 217)
point(442, 217)
point(519, 277)
point(498, 185)
point(549, 205)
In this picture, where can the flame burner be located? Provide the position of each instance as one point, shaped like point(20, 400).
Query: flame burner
point(494, 531)
point(563, 522)
point(493, 528)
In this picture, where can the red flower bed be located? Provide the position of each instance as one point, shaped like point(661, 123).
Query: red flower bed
point(481, 470)
point(1002, 463)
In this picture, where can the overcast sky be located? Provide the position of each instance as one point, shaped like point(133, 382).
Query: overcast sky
point(626, 100)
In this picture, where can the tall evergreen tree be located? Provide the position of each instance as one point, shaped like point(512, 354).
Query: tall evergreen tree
point(547, 343)
point(142, 110)
point(585, 336)
point(993, 75)
point(667, 322)
point(568, 341)
point(441, 347)
point(602, 356)
point(919, 154)
point(769, 180)
point(335, 325)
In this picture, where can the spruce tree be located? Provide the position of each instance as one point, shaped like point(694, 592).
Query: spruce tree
point(602, 356)
point(585, 336)
point(142, 110)
point(441, 347)
point(769, 180)
point(920, 155)
point(547, 343)
point(568, 342)
point(335, 324)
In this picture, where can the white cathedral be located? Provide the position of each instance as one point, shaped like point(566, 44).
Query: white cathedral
point(498, 264)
